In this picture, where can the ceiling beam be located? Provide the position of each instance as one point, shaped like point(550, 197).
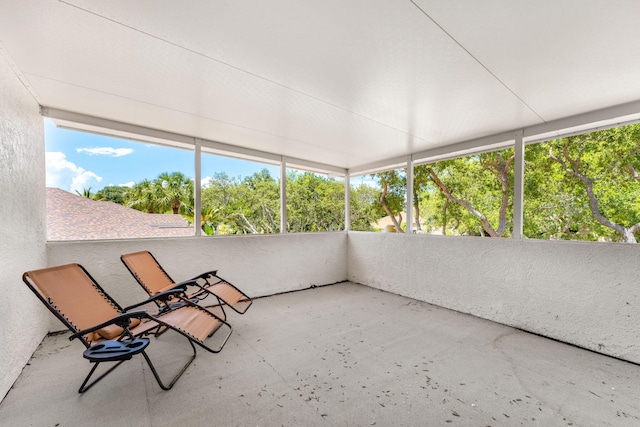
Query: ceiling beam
point(91, 124)
point(617, 115)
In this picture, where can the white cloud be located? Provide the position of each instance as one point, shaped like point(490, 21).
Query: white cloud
point(364, 180)
point(204, 182)
point(126, 184)
point(64, 174)
point(106, 151)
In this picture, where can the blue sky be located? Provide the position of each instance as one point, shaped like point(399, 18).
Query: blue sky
point(78, 160)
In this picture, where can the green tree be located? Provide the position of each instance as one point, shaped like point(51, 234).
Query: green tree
point(112, 193)
point(393, 185)
point(217, 198)
point(314, 203)
point(211, 219)
point(174, 192)
point(143, 197)
point(439, 213)
point(86, 192)
point(604, 164)
point(254, 206)
point(482, 185)
point(420, 186)
point(555, 207)
point(365, 207)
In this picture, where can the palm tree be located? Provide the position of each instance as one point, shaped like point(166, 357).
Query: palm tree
point(86, 192)
point(143, 197)
point(211, 219)
point(175, 191)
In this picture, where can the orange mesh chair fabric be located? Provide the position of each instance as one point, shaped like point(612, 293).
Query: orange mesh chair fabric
point(72, 294)
point(154, 279)
point(148, 272)
point(75, 298)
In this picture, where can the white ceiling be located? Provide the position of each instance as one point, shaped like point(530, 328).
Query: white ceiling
point(347, 83)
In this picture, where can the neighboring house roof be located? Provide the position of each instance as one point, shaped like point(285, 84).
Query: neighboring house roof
point(386, 220)
point(73, 217)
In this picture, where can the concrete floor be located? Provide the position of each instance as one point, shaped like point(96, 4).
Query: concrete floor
point(340, 355)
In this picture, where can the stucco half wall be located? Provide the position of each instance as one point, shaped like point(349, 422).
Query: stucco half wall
point(582, 293)
point(23, 230)
point(258, 264)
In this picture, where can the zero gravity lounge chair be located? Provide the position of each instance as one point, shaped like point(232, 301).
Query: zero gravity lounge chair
point(112, 333)
point(154, 279)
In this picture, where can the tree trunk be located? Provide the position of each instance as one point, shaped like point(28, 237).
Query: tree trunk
point(388, 211)
point(573, 167)
point(502, 170)
point(416, 209)
point(483, 219)
point(444, 217)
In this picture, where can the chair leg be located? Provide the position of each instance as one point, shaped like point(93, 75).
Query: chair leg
point(224, 341)
point(85, 387)
point(215, 309)
point(173, 381)
point(222, 304)
point(82, 388)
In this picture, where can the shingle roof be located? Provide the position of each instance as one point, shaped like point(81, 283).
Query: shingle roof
point(73, 217)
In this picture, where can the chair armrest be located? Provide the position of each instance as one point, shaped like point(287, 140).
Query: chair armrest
point(204, 276)
point(194, 283)
point(190, 282)
point(121, 320)
point(162, 296)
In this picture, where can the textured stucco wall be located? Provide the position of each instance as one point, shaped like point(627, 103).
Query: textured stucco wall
point(582, 293)
point(259, 265)
point(23, 229)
